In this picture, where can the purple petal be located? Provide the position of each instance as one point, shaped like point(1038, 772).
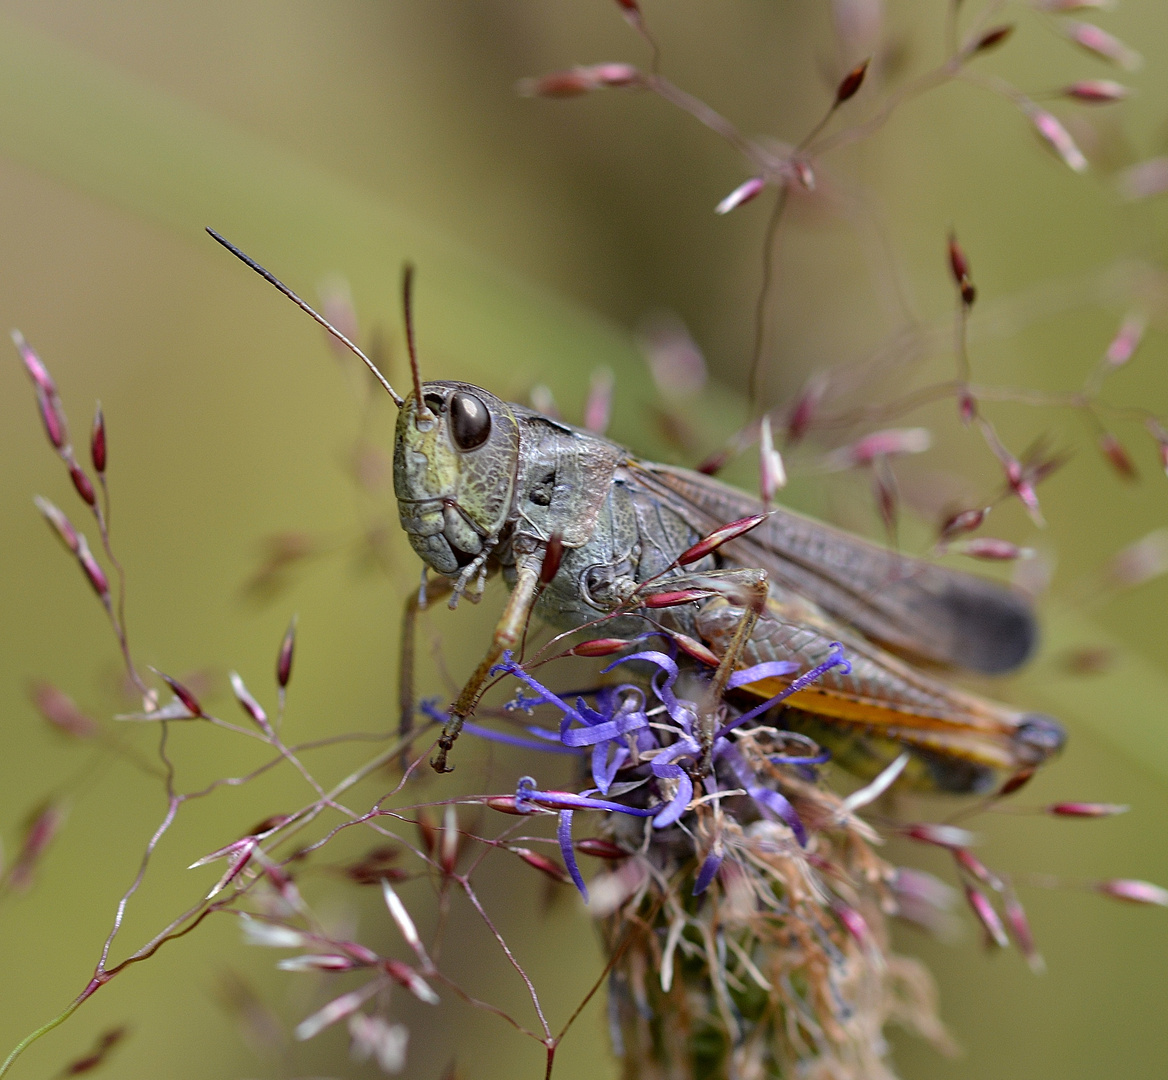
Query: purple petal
point(706, 874)
point(564, 835)
point(518, 740)
point(772, 669)
point(836, 659)
point(603, 770)
point(676, 806)
point(778, 805)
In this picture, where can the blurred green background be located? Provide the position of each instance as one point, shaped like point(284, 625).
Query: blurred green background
point(338, 137)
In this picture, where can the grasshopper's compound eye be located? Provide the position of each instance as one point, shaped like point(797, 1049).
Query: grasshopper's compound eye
point(470, 422)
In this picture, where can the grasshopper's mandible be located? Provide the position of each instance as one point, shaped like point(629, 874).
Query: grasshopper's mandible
point(582, 530)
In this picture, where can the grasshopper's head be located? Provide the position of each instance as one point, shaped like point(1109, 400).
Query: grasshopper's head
point(454, 466)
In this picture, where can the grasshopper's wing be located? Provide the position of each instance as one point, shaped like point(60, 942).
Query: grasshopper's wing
point(911, 606)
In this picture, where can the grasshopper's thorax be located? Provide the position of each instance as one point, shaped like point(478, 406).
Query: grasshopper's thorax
point(454, 473)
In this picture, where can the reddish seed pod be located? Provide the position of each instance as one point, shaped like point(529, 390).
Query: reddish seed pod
point(986, 547)
point(676, 598)
point(1134, 892)
point(284, 657)
point(1087, 809)
point(559, 84)
point(959, 268)
point(543, 864)
point(715, 463)
point(1114, 451)
point(97, 441)
point(1023, 936)
point(506, 804)
point(986, 914)
point(32, 364)
point(92, 570)
point(598, 647)
point(1096, 91)
point(552, 558)
point(427, 831)
point(249, 704)
point(978, 870)
point(992, 38)
point(743, 193)
point(804, 409)
point(710, 543)
point(61, 711)
point(850, 84)
point(53, 420)
point(83, 484)
point(190, 702)
point(599, 848)
point(695, 649)
point(854, 923)
point(967, 404)
point(963, 521)
point(946, 836)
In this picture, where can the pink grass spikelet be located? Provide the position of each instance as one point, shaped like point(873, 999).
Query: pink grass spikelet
point(373, 1037)
point(284, 656)
point(1102, 44)
point(1063, 7)
point(1134, 892)
point(991, 39)
point(849, 85)
point(991, 549)
point(97, 443)
point(33, 365)
point(946, 836)
point(1140, 562)
point(743, 193)
point(1117, 457)
point(189, 701)
point(83, 485)
point(1086, 809)
point(880, 444)
point(92, 570)
point(1144, 180)
point(61, 711)
point(1058, 138)
point(963, 521)
point(61, 525)
point(1019, 927)
point(710, 543)
point(772, 472)
point(1097, 91)
point(598, 407)
point(1126, 341)
point(411, 980)
point(249, 704)
point(41, 828)
point(53, 419)
point(335, 1010)
point(988, 916)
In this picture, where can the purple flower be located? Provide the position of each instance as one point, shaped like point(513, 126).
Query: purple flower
point(648, 732)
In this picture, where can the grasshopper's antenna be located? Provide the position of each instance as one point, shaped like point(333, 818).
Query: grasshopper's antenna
point(422, 414)
point(398, 400)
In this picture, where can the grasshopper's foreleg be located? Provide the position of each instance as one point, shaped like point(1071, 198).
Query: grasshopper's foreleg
point(431, 590)
point(508, 631)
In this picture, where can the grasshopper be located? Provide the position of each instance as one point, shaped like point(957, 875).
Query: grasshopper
point(584, 532)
